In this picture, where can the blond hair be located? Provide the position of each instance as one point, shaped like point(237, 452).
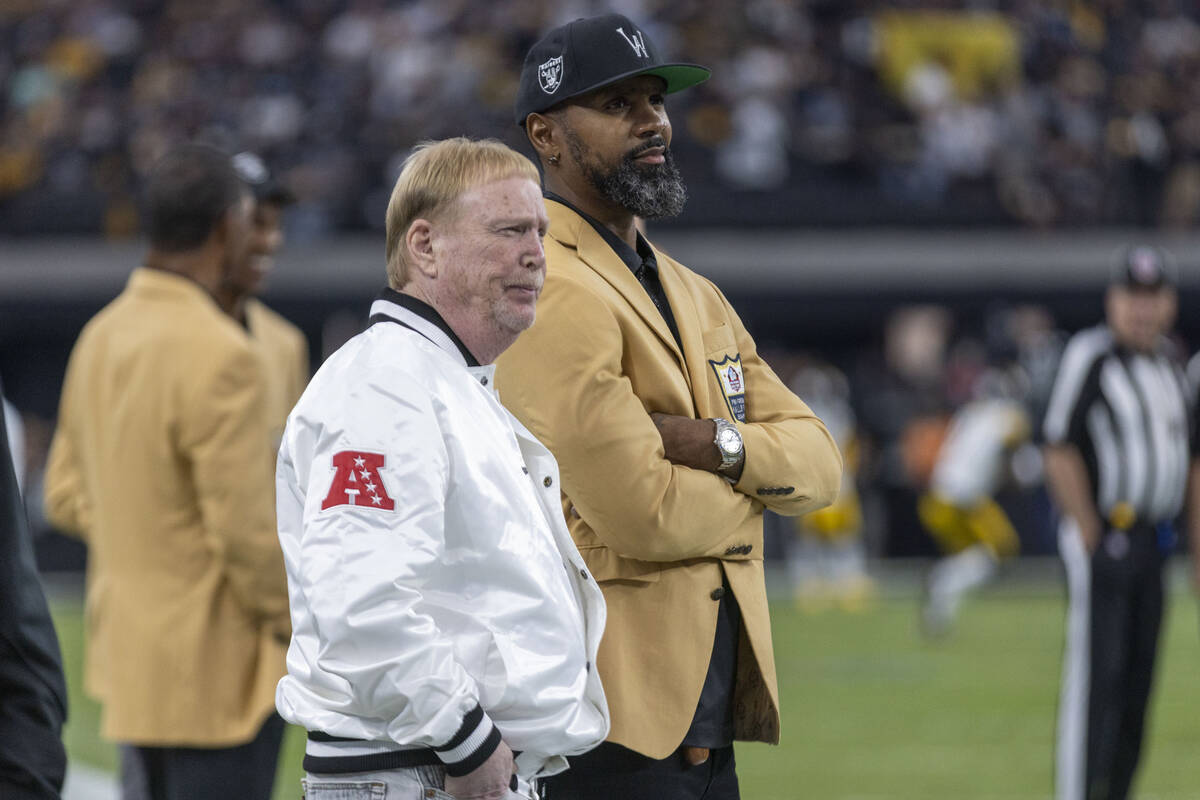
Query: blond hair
point(434, 175)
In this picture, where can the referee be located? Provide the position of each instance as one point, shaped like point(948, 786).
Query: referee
point(1120, 443)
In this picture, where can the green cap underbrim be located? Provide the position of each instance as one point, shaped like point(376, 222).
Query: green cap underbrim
point(677, 76)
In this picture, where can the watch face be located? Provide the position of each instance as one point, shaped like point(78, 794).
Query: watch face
point(730, 441)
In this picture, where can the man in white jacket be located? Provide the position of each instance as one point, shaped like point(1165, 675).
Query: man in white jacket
point(445, 627)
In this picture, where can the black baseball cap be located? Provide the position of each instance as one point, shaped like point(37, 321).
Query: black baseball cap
point(1143, 266)
point(589, 53)
point(253, 171)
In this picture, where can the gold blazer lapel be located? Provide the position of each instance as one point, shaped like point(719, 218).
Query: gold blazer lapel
point(570, 229)
point(690, 325)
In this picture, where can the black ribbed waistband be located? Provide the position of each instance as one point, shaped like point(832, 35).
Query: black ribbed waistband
point(369, 762)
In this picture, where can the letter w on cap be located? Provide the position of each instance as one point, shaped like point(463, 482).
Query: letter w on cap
point(638, 43)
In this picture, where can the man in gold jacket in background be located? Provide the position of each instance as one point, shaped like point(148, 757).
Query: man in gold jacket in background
point(671, 433)
point(163, 462)
point(283, 346)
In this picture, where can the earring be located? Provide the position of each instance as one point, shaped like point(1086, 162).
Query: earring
point(553, 159)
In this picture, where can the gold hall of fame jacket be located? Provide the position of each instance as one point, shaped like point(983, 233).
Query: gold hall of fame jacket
point(657, 537)
point(163, 462)
point(285, 361)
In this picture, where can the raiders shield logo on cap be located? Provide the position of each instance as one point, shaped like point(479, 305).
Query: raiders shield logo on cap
point(550, 74)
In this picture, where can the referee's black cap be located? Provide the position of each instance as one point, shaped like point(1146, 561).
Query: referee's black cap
point(591, 52)
point(266, 188)
point(1143, 266)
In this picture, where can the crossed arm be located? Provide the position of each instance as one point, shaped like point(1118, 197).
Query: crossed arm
point(690, 442)
point(645, 482)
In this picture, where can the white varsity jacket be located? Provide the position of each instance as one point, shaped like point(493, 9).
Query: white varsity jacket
point(438, 602)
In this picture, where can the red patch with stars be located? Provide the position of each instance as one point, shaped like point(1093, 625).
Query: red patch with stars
point(357, 482)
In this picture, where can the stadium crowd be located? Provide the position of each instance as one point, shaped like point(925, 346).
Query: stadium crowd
point(950, 112)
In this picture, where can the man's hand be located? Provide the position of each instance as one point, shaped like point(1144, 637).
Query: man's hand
point(1091, 529)
point(1069, 485)
point(1193, 520)
point(489, 781)
point(688, 442)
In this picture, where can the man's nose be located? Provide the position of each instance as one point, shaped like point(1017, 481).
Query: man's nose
point(651, 119)
point(535, 254)
point(265, 243)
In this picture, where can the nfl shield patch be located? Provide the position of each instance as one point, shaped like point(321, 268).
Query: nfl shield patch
point(733, 384)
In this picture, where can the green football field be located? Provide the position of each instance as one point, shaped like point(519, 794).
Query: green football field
point(872, 711)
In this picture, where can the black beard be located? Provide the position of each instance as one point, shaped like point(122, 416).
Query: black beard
point(651, 192)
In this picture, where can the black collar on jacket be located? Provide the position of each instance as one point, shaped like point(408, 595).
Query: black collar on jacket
point(425, 312)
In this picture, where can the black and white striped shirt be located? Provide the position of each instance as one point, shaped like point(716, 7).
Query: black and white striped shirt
point(1132, 417)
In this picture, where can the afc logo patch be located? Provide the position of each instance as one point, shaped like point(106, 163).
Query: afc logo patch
point(356, 482)
point(733, 384)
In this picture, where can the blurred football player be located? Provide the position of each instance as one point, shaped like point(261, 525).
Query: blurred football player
point(826, 559)
point(959, 509)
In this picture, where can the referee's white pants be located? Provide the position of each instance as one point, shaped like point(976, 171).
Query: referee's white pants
point(1070, 765)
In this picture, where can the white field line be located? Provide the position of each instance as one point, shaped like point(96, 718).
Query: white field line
point(85, 782)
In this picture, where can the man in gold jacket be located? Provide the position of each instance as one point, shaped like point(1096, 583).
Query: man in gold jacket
point(283, 346)
point(671, 433)
point(163, 461)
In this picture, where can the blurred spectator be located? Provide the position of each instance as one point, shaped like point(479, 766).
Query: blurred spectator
point(825, 112)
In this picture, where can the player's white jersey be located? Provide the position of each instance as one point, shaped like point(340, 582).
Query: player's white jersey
point(971, 463)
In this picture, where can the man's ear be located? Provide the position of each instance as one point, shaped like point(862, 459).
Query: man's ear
point(220, 232)
point(229, 222)
point(418, 241)
point(544, 134)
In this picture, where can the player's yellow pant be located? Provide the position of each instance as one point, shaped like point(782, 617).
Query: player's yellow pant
point(956, 528)
point(842, 520)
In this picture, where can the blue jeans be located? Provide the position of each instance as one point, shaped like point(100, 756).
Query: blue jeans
point(412, 783)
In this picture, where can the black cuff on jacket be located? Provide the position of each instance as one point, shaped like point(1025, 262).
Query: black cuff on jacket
point(474, 743)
